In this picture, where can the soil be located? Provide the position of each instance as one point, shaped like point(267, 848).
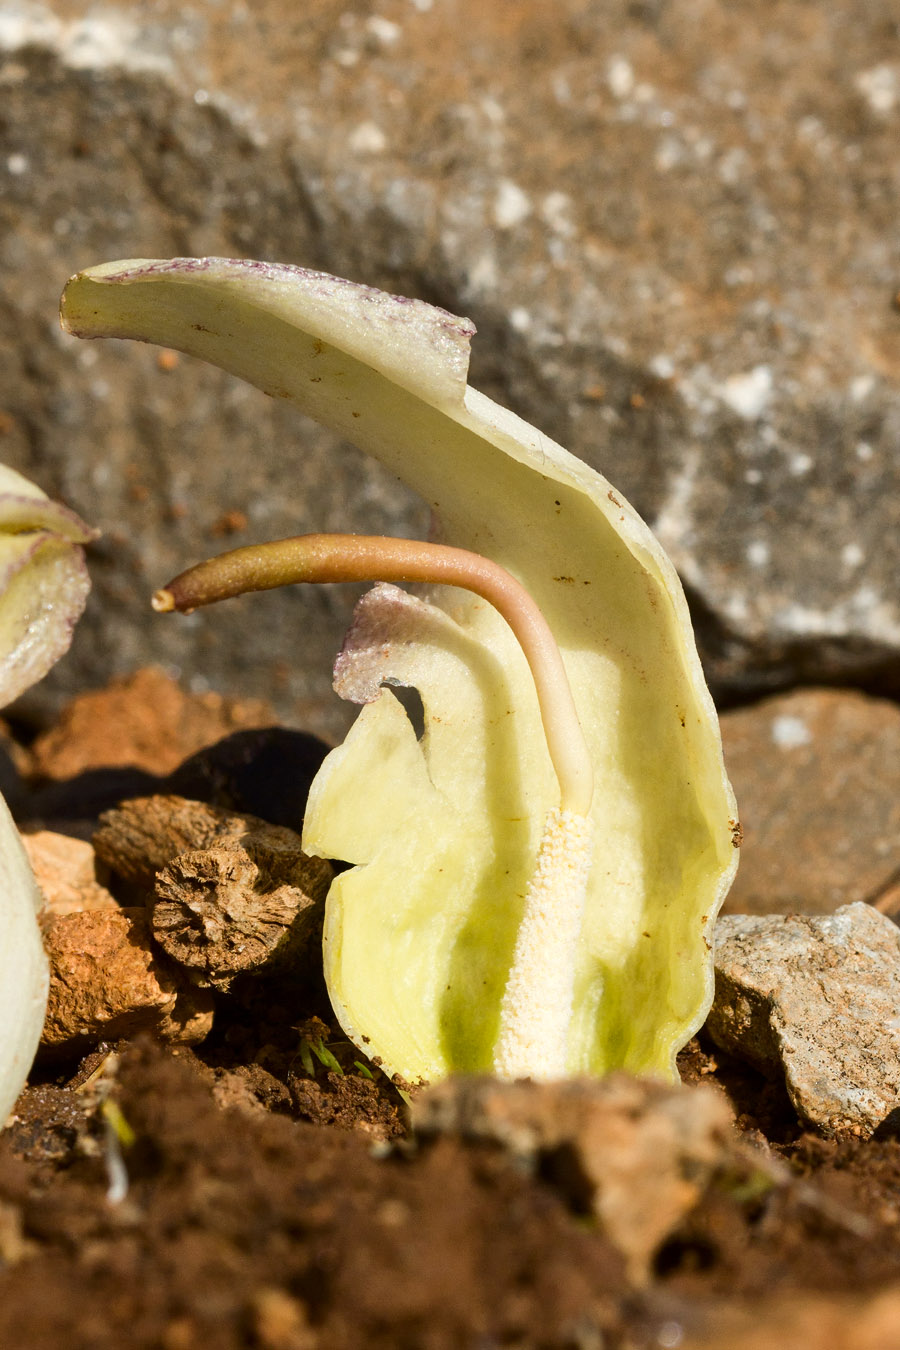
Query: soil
point(264, 1191)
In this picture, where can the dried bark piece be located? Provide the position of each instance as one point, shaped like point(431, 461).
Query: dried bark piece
point(139, 837)
point(230, 893)
point(106, 982)
point(142, 835)
point(239, 906)
point(65, 870)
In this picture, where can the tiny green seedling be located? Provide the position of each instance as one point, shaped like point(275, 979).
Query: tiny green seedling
point(313, 1050)
point(533, 881)
point(308, 1048)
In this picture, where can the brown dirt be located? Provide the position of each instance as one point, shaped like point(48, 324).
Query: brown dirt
point(233, 1216)
point(263, 1192)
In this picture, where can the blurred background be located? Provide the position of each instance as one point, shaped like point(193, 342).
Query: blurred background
point(674, 224)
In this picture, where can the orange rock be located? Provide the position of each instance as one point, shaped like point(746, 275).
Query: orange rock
point(842, 1323)
point(106, 982)
point(142, 721)
point(66, 873)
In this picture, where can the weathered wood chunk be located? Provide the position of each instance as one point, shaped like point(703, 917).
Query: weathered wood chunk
point(228, 892)
point(139, 837)
point(232, 908)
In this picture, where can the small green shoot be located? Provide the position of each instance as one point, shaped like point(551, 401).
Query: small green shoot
point(113, 1116)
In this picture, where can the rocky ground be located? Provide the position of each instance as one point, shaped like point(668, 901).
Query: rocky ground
point(230, 1171)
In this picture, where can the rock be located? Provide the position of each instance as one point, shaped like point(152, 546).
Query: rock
point(674, 226)
point(250, 1088)
point(120, 741)
point(106, 982)
point(637, 1154)
point(14, 1245)
point(66, 873)
point(815, 999)
point(143, 721)
point(817, 778)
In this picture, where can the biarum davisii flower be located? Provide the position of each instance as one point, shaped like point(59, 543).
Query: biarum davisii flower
point(43, 588)
point(423, 945)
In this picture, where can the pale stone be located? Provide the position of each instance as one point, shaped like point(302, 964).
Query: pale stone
point(816, 1000)
point(806, 1322)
